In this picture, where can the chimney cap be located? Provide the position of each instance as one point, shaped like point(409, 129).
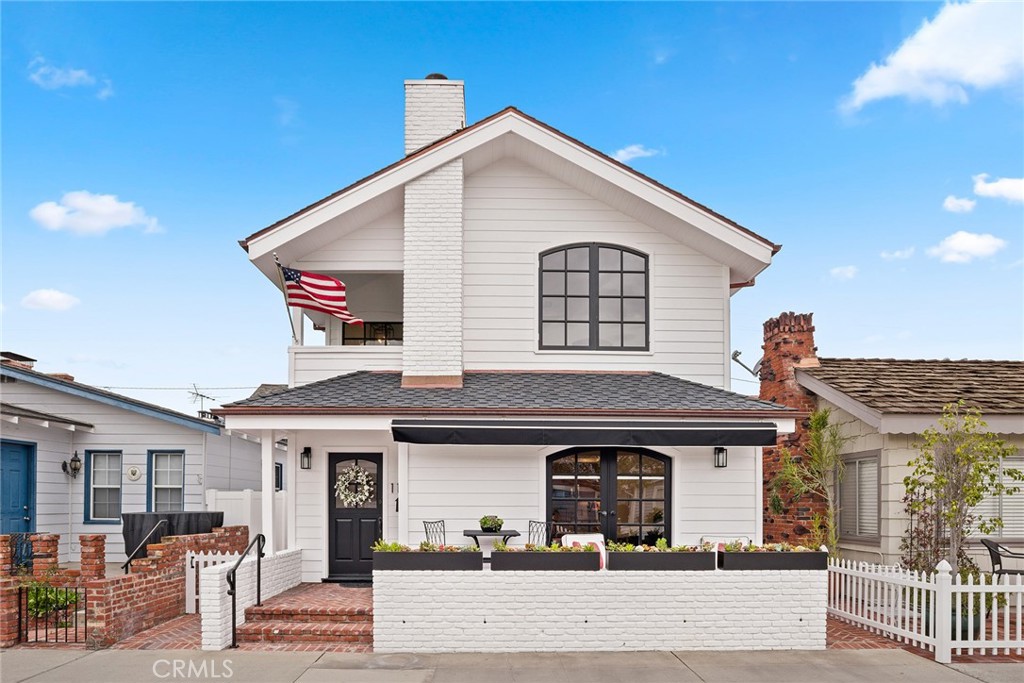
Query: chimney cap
point(435, 77)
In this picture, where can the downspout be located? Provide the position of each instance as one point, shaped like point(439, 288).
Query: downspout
point(71, 498)
point(202, 484)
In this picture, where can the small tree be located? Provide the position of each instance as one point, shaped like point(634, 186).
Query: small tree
point(958, 467)
point(816, 474)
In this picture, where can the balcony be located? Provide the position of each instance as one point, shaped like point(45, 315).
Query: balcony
point(375, 345)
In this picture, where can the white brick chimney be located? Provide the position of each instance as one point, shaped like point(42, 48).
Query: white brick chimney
point(434, 107)
point(432, 345)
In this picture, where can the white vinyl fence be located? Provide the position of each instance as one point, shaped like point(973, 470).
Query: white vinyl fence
point(194, 563)
point(245, 508)
point(969, 617)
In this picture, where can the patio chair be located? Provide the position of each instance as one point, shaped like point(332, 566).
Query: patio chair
point(998, 552)
point(539, 533)
point(584, 539)
point(435, 532)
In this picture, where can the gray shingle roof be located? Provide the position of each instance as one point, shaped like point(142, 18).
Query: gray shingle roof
point(266, 389)
point(504, 391)
point(921, 387)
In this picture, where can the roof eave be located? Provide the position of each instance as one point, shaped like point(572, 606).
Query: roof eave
point(455, 137)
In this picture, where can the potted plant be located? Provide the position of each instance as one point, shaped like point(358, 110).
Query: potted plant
point(395, 556)
point(554, 557)
point(491, 523)
point(660, 556)
point(738, 555)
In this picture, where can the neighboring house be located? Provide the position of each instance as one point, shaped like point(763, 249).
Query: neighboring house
point(135, 457)
point(883, 405)
point(546, 338)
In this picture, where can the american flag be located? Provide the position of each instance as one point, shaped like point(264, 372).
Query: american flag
point(317, 292)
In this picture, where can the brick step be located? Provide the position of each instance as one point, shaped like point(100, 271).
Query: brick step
point(307, 631)
point(337, 615)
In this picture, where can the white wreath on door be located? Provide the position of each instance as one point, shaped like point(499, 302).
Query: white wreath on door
point(354, 486)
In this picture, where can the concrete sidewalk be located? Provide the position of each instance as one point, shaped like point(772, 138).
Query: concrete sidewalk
point(826, 666)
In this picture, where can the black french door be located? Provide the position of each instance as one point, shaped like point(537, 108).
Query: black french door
point(353, 527)
point(621, 493)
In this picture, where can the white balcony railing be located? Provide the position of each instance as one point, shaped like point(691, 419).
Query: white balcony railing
point(311, 363)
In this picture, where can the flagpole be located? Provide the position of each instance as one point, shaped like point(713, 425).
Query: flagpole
point(284, 292)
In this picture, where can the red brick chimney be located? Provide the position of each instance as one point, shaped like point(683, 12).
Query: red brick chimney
point(788, 344)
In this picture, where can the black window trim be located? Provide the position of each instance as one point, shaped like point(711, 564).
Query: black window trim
point(849, 458)
point(594, 298)
point(608, 472)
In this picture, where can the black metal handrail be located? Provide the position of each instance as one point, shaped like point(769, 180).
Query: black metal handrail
point(260, 542)
point(140, 545)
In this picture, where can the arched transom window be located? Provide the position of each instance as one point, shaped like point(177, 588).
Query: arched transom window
point(593, 296)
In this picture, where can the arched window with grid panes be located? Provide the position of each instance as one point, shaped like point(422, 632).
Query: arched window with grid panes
point(594, 297)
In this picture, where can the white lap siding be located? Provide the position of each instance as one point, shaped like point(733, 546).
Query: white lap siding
point(512, 213)
point(461, 484)
point(116, 429)
point(53, 487)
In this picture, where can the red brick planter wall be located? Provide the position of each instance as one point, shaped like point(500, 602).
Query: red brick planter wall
point(119, 606)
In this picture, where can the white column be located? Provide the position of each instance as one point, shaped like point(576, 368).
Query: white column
point(267, 451)
point(759, 495)
point(403, 492)
point(291, 478)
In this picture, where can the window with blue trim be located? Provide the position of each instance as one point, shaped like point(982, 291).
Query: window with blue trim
point(168, 481)
point(104, 486)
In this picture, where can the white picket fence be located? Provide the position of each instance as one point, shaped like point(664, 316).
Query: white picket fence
point(903, 605)
point(194, 563)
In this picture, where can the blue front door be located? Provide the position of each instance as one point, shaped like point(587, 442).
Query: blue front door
point(17, 488)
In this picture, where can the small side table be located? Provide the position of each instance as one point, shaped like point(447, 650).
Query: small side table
point(504, 535)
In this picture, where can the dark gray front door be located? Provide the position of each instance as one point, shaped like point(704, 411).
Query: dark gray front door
point(353, 526)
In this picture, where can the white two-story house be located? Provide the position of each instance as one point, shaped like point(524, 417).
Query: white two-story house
point(546, 338)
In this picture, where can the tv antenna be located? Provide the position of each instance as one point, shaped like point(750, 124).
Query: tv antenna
point(198, 397)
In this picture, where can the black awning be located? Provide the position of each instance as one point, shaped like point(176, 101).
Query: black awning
point(580, 433)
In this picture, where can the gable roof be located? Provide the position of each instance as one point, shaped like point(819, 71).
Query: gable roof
point(511, 120)
point(107, 397)
point(651, 394)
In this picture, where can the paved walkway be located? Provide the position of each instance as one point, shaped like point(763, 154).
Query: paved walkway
point(831, 666)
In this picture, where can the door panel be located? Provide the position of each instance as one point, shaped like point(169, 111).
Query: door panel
point(622, 494)
point(354, 527)
point(17, 488)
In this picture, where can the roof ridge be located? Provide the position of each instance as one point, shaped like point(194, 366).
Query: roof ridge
point(244, 243)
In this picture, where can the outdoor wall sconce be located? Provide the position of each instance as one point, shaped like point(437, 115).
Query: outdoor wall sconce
point(721, 456)
point(306, 458)
point(74, 467)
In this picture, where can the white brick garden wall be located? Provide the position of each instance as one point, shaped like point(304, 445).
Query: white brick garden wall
point(278, 573)
point(436, 611)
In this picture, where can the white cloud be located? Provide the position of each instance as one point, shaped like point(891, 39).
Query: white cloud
point(898, 254)
point(106, 90)
point(955, 204)
point(971, 45)
point(631, 152)
point(50, 77)
point(85, 213)
point(843, 272)
point(964, 247)
point(1010, 189)
point(287, 111)
point(662, 55)
point(49, 300)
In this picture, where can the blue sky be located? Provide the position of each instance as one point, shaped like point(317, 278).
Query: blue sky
point(208, 122)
